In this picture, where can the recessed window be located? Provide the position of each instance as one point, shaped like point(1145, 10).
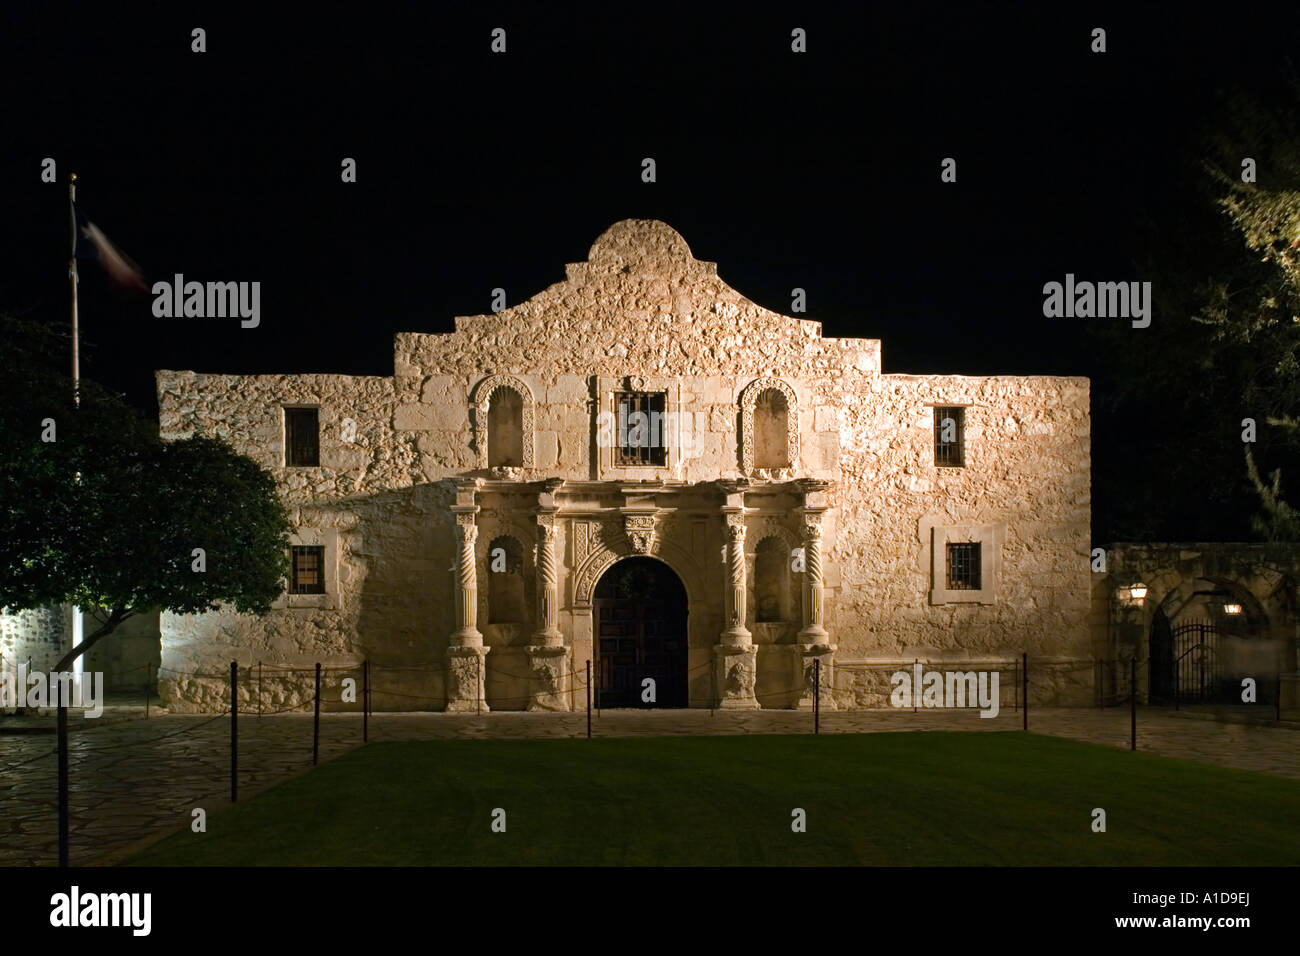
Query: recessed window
point(964, 566)
point(505, 580)
point(949, 436)
point(302, 437)
point(771, 430)
point(308, 569)
point(770, 579)
point(642, 428)
point(506, 429)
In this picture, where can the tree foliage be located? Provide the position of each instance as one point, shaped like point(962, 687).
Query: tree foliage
point(1170, 400)
point(1252, 305)
point(107, 516)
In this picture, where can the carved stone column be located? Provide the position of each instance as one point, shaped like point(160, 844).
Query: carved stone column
point(735, 657)
point(814, 640)
point(465, 655)
point(735, 633)
point(548, 584)
point(548, 658)
point(813, 631)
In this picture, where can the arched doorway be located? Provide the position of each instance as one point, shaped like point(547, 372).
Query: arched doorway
point(639, 615)
point(1205, 637)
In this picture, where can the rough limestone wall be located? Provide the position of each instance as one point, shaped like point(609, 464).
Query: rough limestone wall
point(129, 656)
point(1027, 469)
point(42, 634)
point(392, 543)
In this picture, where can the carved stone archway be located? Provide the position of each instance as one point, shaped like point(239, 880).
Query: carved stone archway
point(607, 550)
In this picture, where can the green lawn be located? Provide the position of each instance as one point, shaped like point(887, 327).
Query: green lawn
point(878, 799)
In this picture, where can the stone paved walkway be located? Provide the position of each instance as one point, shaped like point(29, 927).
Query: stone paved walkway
point(133, 779)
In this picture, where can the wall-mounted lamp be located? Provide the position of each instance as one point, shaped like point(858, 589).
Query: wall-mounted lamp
point(1132, 596)
point(1232, 609)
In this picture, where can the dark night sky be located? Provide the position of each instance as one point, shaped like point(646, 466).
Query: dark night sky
point(476, 171)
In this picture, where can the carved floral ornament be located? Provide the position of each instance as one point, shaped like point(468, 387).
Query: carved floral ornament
point(466, 526)
point(482, 405)
point(748, 401)
point(640, 531)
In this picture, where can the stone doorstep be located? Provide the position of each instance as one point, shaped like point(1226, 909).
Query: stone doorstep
point(1236, 719)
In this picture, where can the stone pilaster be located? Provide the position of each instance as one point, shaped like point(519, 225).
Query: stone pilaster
point(814, 640)
point(808, 655)
point(466, 665)
point(813, 630)
point(735, 657)
point(548, 584)
point(735, 633)
point(548, 658)
point(549, 678)
point(466, 670)
point(467, 633)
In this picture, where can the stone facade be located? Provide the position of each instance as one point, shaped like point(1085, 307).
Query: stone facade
point(40, 636)
point(488, 447)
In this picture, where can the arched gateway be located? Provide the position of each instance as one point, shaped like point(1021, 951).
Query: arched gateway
point(639, 613)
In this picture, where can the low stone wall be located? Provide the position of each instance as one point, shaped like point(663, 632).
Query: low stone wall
point(1053, 682)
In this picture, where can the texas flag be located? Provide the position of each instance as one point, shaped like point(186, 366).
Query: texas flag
point(93, 244)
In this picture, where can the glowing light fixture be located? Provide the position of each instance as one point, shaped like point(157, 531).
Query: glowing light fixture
point(1232, 609)
point(1131, 596)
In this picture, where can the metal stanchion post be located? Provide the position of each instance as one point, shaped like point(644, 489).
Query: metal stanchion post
point(315, 732)
point(234, 732)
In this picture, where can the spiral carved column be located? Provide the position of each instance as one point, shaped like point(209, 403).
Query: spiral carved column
point(548, 658)
point(735, 657)
point(466, 664)
point(814, 640)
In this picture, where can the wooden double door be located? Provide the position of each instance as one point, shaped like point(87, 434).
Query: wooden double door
point(639, 613)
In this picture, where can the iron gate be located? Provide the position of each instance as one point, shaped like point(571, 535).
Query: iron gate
point(1196, 662)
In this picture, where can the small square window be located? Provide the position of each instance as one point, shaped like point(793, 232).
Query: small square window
point(308, 569)
point(642, 429)
point(302, 437)
point(950, 436)
point(964, 566)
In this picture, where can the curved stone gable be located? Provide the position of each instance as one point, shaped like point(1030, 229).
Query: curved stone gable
point(640, 300)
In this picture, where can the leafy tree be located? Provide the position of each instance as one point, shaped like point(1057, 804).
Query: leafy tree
point(1169, 400)
point(107, 516)
point(1255, 306)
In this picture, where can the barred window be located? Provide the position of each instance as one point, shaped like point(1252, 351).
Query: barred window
point(642, 428)
point(308, 569)
point(964, 566)
point(950, 436)
point(302, 437)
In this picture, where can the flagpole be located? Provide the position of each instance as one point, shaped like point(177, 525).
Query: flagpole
point(72, 275)
point(78, 665)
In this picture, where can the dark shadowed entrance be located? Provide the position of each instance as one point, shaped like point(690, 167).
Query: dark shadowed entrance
point(639, 611)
